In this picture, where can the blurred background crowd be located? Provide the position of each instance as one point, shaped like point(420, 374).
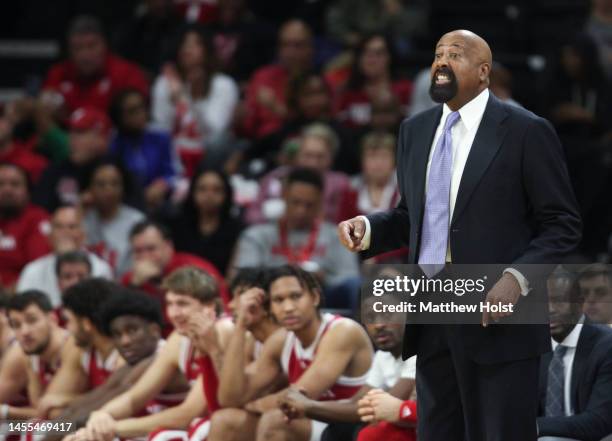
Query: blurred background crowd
point(141, 137)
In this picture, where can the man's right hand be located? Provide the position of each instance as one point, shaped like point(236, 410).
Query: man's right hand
point(351, 233)
point(250, 307)
point(143, 271)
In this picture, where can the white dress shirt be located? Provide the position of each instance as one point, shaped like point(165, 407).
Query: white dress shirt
point(462, 134)
point(571, 342)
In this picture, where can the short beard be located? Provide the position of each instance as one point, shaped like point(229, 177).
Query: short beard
point(446, 92)
point(39, 349)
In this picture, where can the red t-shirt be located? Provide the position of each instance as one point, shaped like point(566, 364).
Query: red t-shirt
point(259, 120)
point(98, 91)
point(353, 107)
point(20, 155)
point(180, 260)
point(22, 240)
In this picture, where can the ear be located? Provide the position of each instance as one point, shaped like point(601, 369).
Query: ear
point(87, 325)
point(52, 316)
point(485, 70)
point(155, 330)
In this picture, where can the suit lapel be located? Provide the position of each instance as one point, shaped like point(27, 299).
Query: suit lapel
point(488, 139)
point(584, 347)
point(422, 144)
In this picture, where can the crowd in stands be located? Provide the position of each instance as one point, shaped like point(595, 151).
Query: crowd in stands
point(169, 194)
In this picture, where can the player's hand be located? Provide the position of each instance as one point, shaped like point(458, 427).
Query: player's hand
point(49, 402)
point(351, 233)
point(100, 427)
point(294, 403)
point(202, 330)
point(384, 406)
point(365, 409)
point(250, 307)
point(506, 291)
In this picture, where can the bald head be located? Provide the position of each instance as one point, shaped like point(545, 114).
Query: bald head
point(472, 42)
point(461, 68)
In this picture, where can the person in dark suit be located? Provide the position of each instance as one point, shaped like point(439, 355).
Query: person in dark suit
point(480, 182)
point(576, 378)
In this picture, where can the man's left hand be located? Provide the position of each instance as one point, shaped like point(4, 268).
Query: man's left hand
point(506, 291)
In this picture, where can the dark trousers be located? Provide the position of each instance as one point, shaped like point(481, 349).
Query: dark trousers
point(459, 399)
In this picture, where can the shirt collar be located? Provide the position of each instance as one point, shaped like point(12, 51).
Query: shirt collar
point(571, 340)
point(471, 112)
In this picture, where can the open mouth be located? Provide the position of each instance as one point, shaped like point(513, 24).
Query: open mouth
point(442, 78)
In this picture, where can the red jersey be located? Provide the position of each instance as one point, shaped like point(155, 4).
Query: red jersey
point(116, 75)
point(189, 364)
point(97, 369)
point(354, 108)
point(201, 11)
point(22, 239)
point(259, 120)
point(45, 371)
point(163, 400)
point(296, 360)
point(22, 156)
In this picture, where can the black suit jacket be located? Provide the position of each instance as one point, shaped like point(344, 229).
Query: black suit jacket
point(515, 205)
point(591, 389)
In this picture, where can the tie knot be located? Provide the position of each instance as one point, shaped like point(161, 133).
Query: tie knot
point(560, 351)
point(451, 119)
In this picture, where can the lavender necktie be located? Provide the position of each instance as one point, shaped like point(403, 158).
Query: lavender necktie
point(434, 236)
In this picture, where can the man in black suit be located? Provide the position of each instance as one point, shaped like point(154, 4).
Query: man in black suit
point(576, 378)
point(480, 182)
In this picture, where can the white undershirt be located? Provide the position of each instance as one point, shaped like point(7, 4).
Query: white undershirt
point(571, 342)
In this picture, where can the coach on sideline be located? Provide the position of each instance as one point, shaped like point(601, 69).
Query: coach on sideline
point(480, 182)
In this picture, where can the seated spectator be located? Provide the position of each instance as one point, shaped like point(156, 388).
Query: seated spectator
point(200, 11)
point(205, 225)
point(92, 74)
point(90, 357)
point(595, 283)
point(389, 372)
point(145, 37)
point(371, 76)
point(241, 41)
point(24, 227)
point(308, 101)
point(7, 338)
point(107, 219)
point(421, 100)
point(326, 356)
point(67, 235)
point(134, 321)
point(599, 27)
point(375, 189)
point(347, 20)
point(71, 268)
point(154, 258)
point(317, 147)
point(146, 153)
point(14, 152)
point(195, 350)
point(500, 83)
point(266, 100)
point(300, 237)
point(576, 378)
point(29, 365)
point(193, 101)
point(387, 114)
point(62, 183)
